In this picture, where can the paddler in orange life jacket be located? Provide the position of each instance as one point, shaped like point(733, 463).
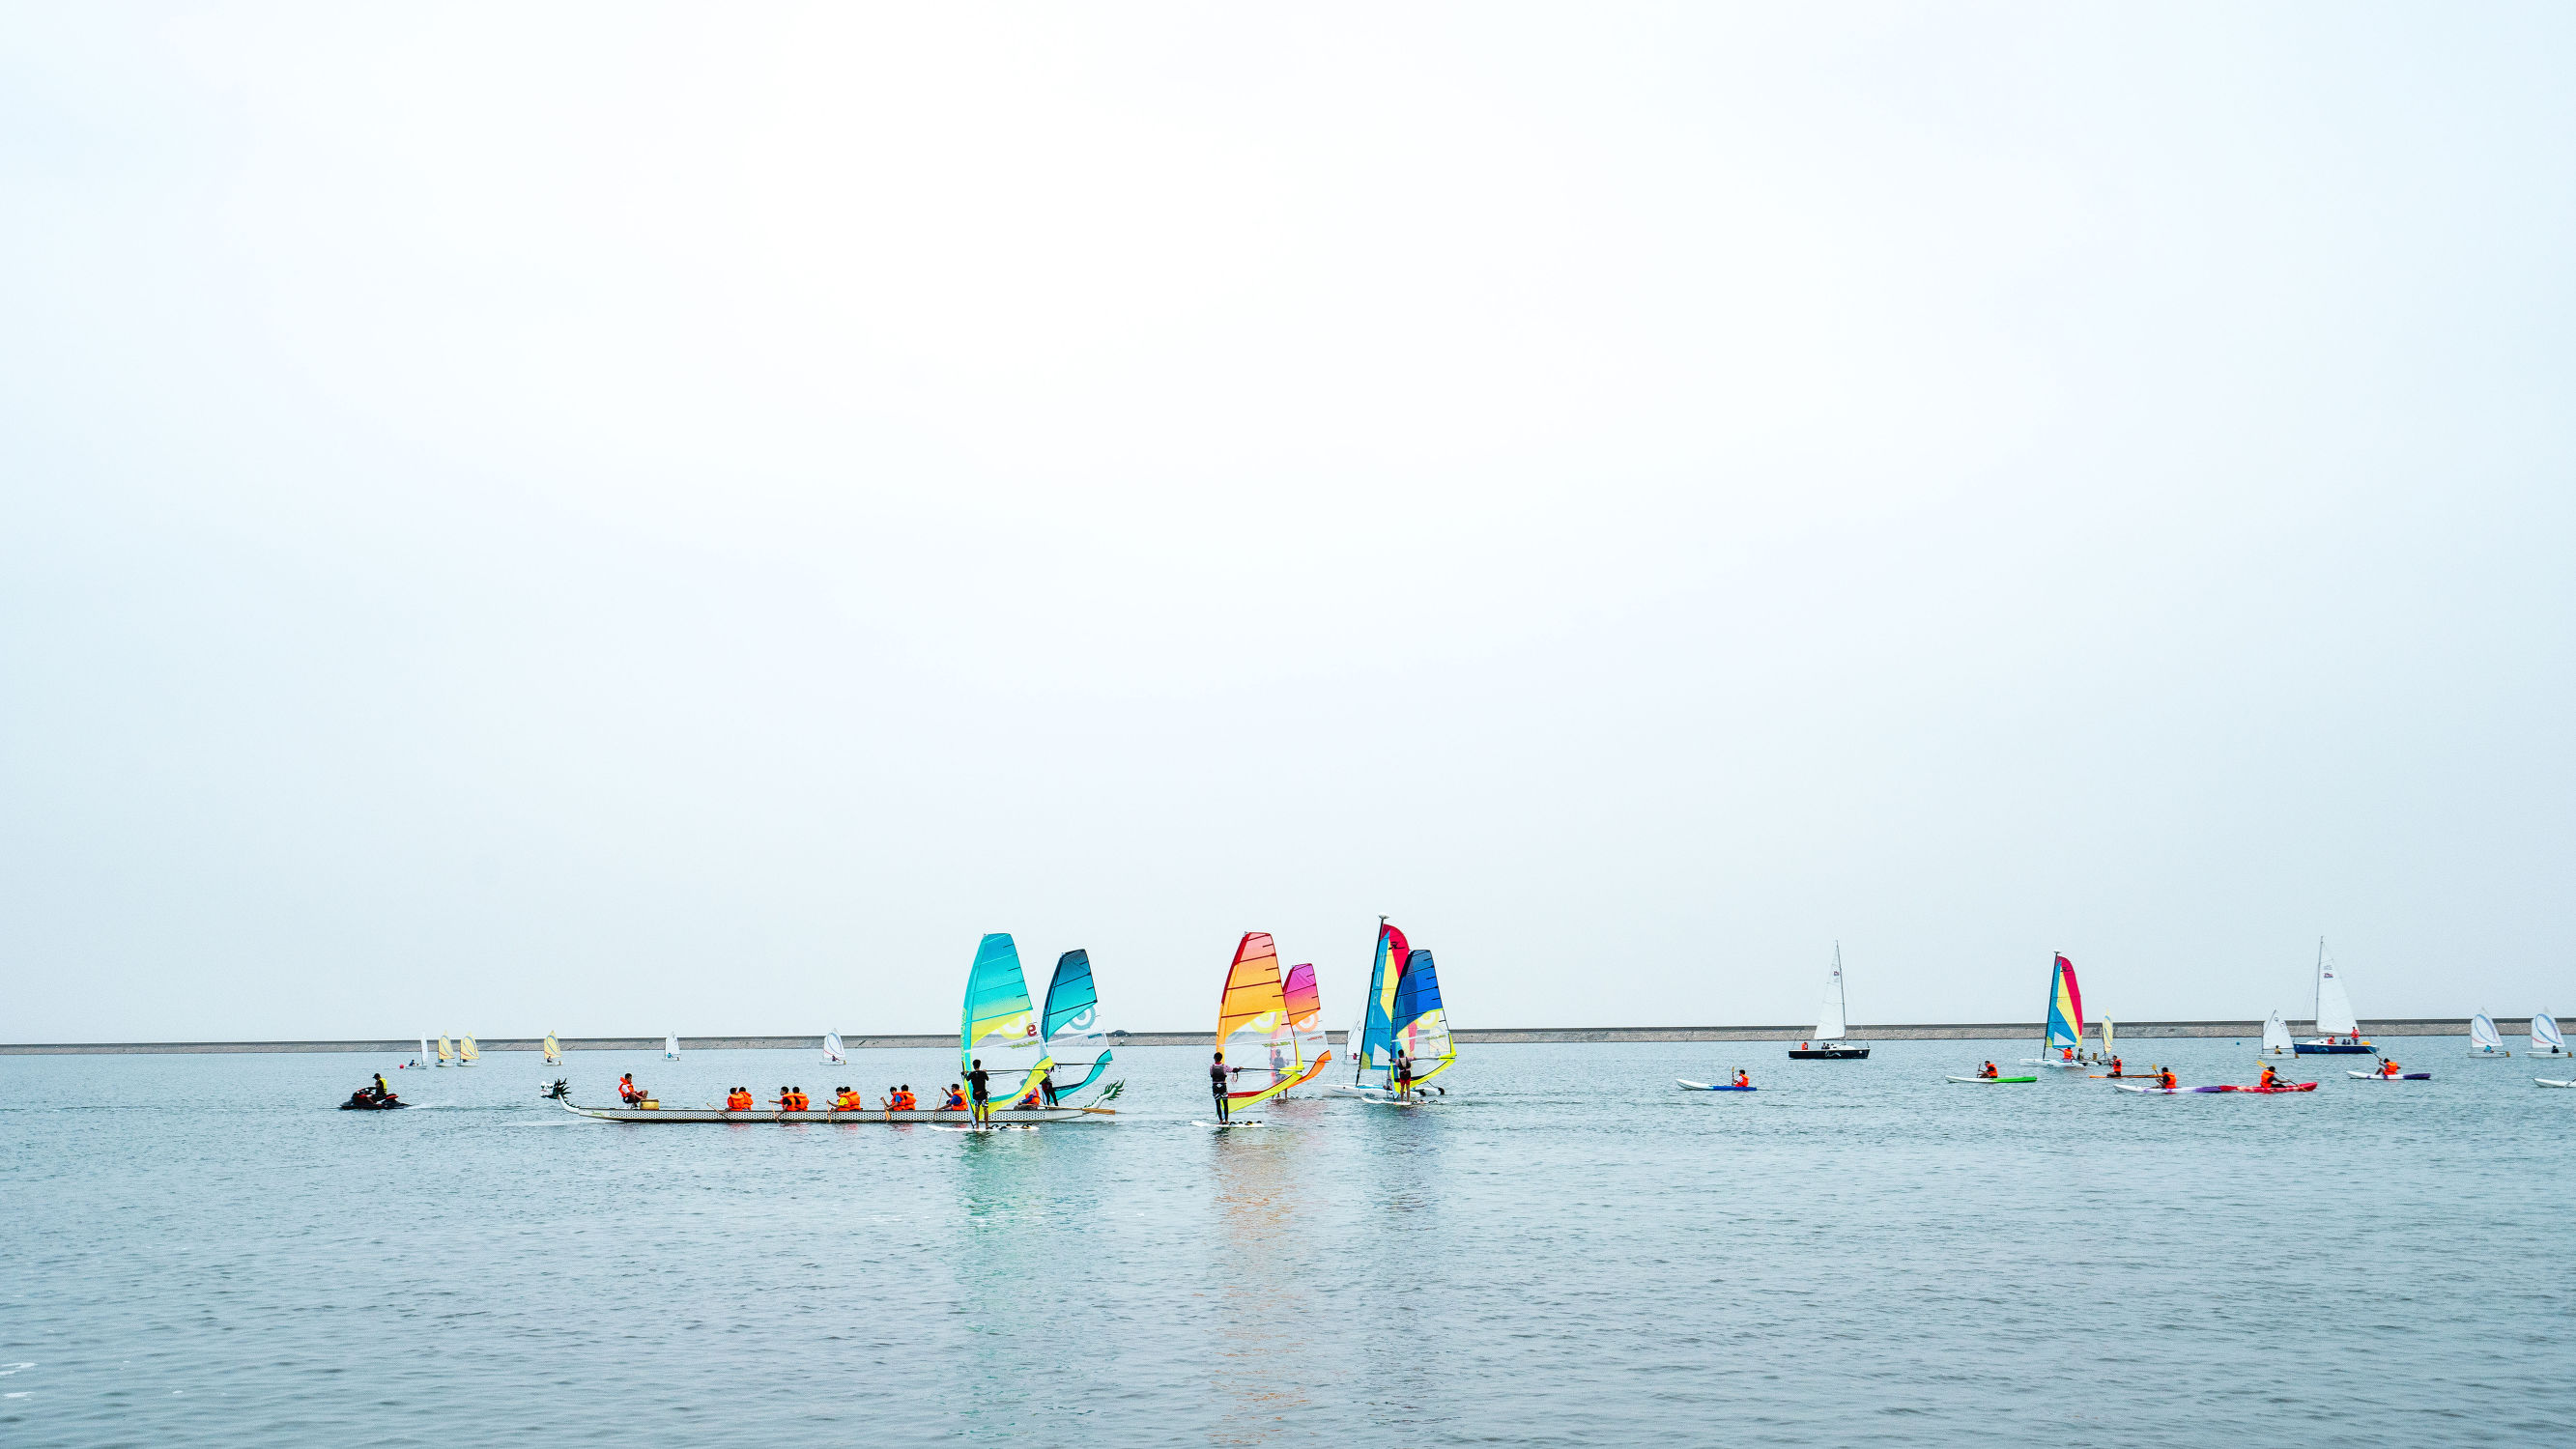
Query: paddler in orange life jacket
point(739, 1100)
point(1741, 1079)
point(2066, 1054)
point(2271, 1078)
point(955, 1101)
point(627, 1091)
point(1988, 1072)
point(2387, 1068)
point(2165, 1078)
point(2115, 1067)
point(845, 1100)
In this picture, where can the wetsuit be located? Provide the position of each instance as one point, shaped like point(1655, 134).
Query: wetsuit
point(1216, 1086)
point(1046, 1088)
point(978, 1087)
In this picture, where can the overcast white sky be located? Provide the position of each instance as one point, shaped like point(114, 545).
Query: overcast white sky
point(622, 518)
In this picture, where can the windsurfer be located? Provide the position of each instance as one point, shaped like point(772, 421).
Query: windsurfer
point(979, 1090)
point(1218, 1071)
point(1403, 1073)
point(1046, 1087)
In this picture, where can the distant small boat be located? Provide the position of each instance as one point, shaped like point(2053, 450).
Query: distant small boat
point(832, 1049)
point(2484, 1039)
point(446, 1053)
point(2276, 1037)
point(2545, 1040)
point(425, 1055)
point(2547, 1082)
point(2338, 1033)
point(554, 1051)
point(1828, 1044)
point(671, 1047)
point(467, 1053)
point(2388, 1077)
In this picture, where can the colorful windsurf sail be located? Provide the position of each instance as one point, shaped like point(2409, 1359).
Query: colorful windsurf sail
point(998, 1017)
point(1421, 1020)
point(1373, 1049)
point(1306, 1019)
point(1071, 1022)
point(1252, 1023)
point(2065, 1006)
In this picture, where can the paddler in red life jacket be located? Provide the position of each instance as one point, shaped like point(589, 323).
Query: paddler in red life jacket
point(2165, 1078)
point(1741, 1079)
point(955, 1101)
point(2271, 1078)
point(739, 1100)
point(2066, 1054)
point(2387, 1068)
point(2115, 1068)
point(627, 1091)
point(1988, 1071)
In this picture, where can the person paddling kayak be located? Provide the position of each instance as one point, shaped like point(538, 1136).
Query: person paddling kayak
point(1742, 1080)
point(1989, 1071)
point(2271, 1078)
point(2165, 1078)
point(2387, 1067)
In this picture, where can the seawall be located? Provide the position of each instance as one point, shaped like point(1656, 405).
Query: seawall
point(1914, 1031)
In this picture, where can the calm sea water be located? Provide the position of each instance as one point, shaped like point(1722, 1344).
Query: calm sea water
point(200, 1250)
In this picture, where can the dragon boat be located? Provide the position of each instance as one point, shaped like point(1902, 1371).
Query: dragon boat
point(928, 1117)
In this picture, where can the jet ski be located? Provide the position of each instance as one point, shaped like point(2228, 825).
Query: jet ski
point(368, 1099)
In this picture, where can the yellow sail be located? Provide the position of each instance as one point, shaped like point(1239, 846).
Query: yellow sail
point(554, 1050)
point(467, 1054)
point(446, 1053)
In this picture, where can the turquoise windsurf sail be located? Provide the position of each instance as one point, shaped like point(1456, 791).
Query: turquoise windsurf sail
point(998, 1016)
point(1375, 1049)
point(1074, 1040)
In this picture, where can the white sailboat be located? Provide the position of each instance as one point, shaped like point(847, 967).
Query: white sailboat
point(1830, 1043)
point(2545, 1039)
point(2484, 1040)
point(671, 1047)
point(2276, 1037)
point(832, 1049)
point(424, 1058)
point(2338, 1031)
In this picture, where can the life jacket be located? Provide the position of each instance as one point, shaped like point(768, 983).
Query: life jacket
point(901, 1101)
point(954, 1100)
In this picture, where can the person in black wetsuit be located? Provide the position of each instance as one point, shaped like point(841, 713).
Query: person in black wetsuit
point(1218, 1071)
point(979, 1086)
point(1046, 1087)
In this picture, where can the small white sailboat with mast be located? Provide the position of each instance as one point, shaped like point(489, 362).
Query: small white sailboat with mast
point(2484, 1040)
point(1831, 1042)
point(2276, 1037)
point(832, 1051)
point(2338, 1031)
point(2546, 1040)
point(671, 1047)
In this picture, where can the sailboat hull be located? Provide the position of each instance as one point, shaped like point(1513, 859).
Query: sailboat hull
point(1005, 1117)
point(1832, 1052)
point(2335, 1049)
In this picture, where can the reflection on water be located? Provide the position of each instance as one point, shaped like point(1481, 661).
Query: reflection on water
point(1258, 1276)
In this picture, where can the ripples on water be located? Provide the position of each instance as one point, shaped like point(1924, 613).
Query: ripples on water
point(201, 1250)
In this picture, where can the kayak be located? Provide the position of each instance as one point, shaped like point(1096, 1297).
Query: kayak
point(2401, 1077)
point(1994, 1081)
point(2158, 1091)
point(1712, 1087)
point(2263, 1091)
point(2545, 1082)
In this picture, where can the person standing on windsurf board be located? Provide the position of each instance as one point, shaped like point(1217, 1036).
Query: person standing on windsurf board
point(1217, 1074)
point(979, 1092)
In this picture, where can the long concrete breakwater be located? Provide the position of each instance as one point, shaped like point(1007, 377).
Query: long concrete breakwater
point(1914, 1031)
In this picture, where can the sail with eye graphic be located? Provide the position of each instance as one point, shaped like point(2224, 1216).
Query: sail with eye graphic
point(999, 1025)
point(1070, 1022)
point(832, 1050)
